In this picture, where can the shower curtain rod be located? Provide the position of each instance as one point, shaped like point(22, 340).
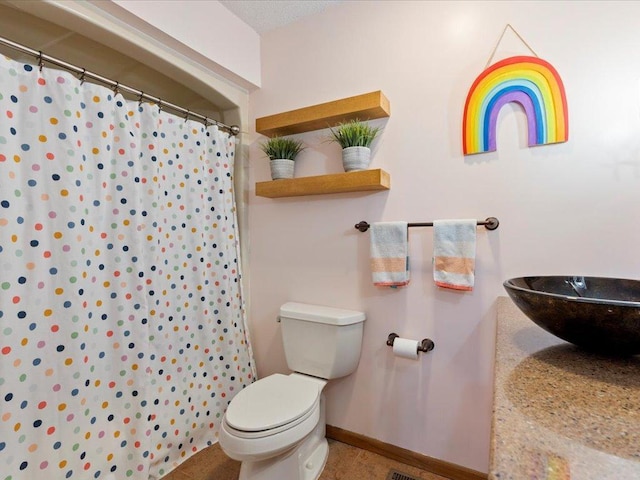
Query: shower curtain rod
point(115, 86)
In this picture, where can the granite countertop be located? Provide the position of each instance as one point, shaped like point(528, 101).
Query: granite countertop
point(561, 413)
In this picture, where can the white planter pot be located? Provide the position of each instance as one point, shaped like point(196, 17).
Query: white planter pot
point(281, 168)
point(356, 158)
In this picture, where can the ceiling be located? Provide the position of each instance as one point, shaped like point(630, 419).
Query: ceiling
point(266, 15)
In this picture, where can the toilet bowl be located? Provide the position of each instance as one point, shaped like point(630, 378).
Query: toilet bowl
point(276, 425)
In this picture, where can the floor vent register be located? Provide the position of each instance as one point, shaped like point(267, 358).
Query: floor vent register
point(396, 475)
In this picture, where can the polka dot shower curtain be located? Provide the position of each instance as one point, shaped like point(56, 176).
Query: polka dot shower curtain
point(122, 330)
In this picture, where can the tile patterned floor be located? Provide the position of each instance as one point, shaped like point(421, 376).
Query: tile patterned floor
point(345, 463)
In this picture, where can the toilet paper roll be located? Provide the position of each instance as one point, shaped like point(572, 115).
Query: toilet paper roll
point(405, 348)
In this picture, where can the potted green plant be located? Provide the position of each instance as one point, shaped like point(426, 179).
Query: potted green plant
point(282, 154)
point(355, 138)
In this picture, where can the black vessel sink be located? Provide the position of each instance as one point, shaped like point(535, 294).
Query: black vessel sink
point(596, 313)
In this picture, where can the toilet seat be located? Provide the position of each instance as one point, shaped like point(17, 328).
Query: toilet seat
point(271, 405)
point(268, 443)
point(272, 431)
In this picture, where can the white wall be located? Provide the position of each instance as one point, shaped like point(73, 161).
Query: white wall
point(208, 28)
point(564, 209)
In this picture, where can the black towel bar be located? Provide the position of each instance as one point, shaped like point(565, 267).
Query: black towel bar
point(491, 223)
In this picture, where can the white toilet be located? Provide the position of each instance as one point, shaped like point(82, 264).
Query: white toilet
point(276, 426)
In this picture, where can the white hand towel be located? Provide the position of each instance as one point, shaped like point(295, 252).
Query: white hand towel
point(389, 254)
point(454, 253)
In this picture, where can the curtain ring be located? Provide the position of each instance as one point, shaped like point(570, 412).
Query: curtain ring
point(159, 105)
point(186, 115)
point(116, 89)
point(40, 61)
point(140, 99)
point(83, 76)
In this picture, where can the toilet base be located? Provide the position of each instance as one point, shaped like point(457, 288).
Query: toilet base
point(303, 462)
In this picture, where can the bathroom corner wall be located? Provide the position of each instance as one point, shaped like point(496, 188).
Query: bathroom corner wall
point(564, 209)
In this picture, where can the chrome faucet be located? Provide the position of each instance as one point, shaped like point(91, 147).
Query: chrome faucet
point(578, 284)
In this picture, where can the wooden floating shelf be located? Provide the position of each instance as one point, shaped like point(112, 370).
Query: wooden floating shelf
point(367, 106)
point(360, 181)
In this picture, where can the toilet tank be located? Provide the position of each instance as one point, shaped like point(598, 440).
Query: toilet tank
point(321, 341)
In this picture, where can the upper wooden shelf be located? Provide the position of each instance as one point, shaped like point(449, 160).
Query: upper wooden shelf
point(360, 181)
point(367, 106)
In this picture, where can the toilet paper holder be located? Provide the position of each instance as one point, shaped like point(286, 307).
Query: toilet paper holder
point(426, 345)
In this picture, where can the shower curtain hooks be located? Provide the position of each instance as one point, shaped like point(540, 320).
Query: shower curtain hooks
point(116, 88)
point(186, 115)
point(140, 99)
point(40, 61)
point(159, 105)
point(83, 76)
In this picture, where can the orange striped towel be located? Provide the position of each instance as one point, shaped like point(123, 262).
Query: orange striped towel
point(454, 253)
point(389, 254)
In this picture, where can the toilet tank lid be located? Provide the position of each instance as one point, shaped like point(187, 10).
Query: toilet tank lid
point(321, 314)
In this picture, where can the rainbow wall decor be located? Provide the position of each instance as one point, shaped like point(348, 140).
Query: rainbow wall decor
point(529, 81)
